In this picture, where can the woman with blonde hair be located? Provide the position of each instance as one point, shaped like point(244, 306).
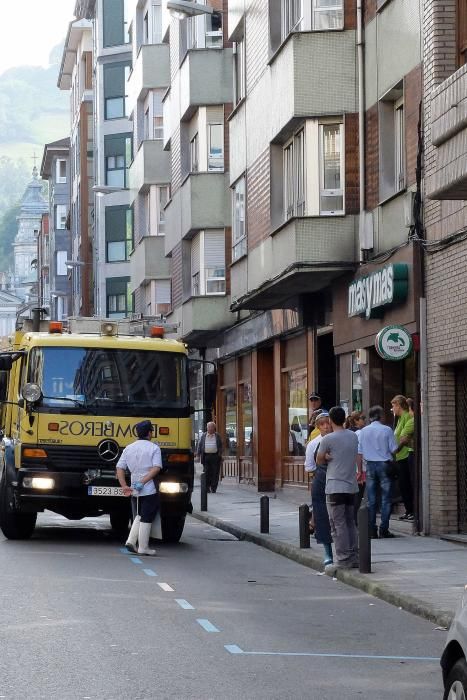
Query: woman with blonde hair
point(404, 436)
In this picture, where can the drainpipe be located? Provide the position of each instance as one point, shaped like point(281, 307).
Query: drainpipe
point(361, 121)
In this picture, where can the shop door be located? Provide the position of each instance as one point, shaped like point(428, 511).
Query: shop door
point(461, 432)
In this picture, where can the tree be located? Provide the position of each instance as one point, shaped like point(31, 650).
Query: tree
point(8, 231)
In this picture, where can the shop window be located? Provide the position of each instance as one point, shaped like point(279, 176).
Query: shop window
point(230, 427)
point(357, 394)
point(297, 411)
point(246, 417)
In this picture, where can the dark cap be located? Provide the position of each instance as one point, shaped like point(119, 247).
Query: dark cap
point(314, 397)
point(143, 429)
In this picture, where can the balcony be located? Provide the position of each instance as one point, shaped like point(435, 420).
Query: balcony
point(151, 166)
point(202, 202)
point(449, 135)
point(148, 261)
point(150, 71)
point(303, 256)
point(205, 79)
point(203, 318)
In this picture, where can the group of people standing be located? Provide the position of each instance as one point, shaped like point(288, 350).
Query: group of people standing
point(347, 456)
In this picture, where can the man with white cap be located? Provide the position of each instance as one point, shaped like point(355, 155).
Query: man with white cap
point(143, 459)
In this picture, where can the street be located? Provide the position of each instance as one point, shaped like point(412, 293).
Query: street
point(210, 618)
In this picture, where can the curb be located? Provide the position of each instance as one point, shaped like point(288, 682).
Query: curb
point(363, 582)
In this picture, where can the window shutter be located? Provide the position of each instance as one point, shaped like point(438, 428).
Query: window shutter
point(116, 285)
point(113, 12)
point(214, 249)
point(162, 292)
point(195, 255)
point(115, 223)
point(114, 79)
point(116, 144)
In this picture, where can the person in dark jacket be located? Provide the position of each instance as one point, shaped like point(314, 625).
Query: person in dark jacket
point(210, 456)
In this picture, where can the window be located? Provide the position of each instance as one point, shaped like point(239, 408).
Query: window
point(60, 216)
point(162, 297)
point(162, 199)
point(331, 166)
point(239, 70)
point(238, 222)
point(115, 90)
point(118, 233)
point(156, 22)
point(158, 115)
point(208, 263)
point(214, 36)
point(215, 147)
point(294, 176)
point(116, 22)
point(392, 142)
point(118, 155)
point(118, 297)
point(60, 174)
point(146, 124)
point(328, 14)
point(61, 256)
point(194, 154)
point(291, 16)
point(461, 32)
point(146, 28)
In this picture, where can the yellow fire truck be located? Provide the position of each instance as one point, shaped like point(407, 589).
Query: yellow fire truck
point(69, 401)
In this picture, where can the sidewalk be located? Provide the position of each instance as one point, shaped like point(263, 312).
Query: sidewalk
point(424, 575)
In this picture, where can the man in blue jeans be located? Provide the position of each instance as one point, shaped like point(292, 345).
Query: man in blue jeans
point(376, 446)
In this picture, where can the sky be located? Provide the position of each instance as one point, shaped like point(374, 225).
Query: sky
point(31, 28)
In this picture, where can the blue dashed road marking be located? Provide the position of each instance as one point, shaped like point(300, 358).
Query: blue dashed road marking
point(149, 572)
point(135, 560)
point(206, 625)
point(234, 649)
point(184, 604)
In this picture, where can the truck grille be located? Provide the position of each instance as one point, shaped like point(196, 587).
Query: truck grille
point(67, 458)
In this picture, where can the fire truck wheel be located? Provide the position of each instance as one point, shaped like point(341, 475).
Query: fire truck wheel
point(172, 527)
point(14, 525)
point(120, 522)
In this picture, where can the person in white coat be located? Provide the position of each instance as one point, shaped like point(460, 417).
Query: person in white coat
point(143, 459)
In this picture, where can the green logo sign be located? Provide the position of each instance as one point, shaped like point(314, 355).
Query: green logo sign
point(393, 343)
point(370, 294)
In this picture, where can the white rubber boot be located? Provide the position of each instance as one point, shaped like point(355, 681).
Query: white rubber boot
point(143, 540)
point(130, 544)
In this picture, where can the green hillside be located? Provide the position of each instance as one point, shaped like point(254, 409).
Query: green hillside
point(33, 112)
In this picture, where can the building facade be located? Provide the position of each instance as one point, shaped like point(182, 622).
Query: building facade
point(76, 76)
point(55, 238)
point(445, 90)
point(150, 172)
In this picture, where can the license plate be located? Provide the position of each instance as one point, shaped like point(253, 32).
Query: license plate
point(105, 491)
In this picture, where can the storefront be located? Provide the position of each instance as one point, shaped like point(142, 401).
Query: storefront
point(380, 299)
point(262, 403)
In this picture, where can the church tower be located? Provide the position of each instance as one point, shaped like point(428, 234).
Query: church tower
point(33, 206)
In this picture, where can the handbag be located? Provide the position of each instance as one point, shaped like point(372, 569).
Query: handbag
point(392, 469)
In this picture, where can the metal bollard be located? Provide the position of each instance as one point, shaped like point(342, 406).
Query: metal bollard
point(364, 539)
point(264, 514)
point(204, 492)
point(304, 526)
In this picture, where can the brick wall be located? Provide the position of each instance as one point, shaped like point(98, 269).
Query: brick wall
point(371, 158)
point(446, 288)
point(258, 200)
point(350, 14)
point(412, 99)
point(352, 189)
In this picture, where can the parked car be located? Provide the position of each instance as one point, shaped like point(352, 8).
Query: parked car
point(454, 658)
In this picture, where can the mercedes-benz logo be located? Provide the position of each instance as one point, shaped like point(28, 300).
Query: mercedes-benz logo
point(108, 450)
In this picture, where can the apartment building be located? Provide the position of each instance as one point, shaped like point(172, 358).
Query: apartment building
point(150, 170)
point(55, 236)
point(76, 77)
point(445, 245)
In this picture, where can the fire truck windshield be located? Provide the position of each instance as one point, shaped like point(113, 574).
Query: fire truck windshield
point(110, 382)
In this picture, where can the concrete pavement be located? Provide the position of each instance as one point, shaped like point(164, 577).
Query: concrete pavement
point(423, 575)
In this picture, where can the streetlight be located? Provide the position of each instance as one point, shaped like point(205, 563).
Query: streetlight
point(185, 8)
point(107, 189)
